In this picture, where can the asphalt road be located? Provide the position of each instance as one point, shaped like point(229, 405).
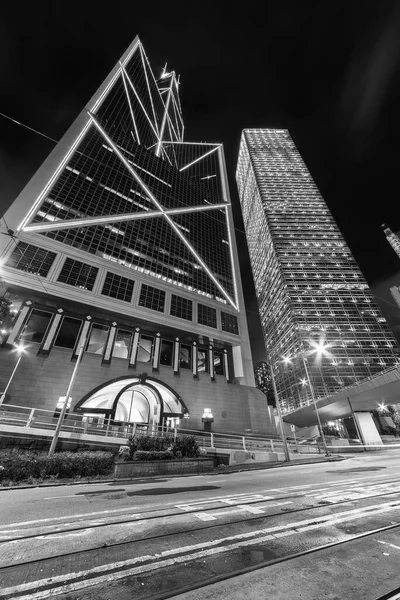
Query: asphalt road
point(327, 530)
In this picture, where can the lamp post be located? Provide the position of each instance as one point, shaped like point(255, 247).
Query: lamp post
point(315, 405)
point(20, 349)
point(319, 349)
point(278, 408)
point(65, 405)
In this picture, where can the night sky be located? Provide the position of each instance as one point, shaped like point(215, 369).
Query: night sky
point(327, 71)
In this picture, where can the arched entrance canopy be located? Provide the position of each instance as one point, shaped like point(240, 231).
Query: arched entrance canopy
point(137, 399)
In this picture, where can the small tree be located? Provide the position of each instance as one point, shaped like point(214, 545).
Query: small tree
point(4, 304)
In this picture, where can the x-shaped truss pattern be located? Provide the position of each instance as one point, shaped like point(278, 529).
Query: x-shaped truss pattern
point(133, 117)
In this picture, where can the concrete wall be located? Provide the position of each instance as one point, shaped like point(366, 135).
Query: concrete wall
point(40, 380)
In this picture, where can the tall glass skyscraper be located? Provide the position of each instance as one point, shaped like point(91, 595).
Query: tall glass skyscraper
point(309, 288)
point(123, 241)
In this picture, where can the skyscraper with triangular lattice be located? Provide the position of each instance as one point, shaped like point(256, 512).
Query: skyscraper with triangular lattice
point(123, 242)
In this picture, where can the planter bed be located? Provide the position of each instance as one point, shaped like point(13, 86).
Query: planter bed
point(135, 468)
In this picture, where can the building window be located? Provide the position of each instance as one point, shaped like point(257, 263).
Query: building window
point(68, 333)
point(122, 344)
point(229, 323)
point(152, 298)
point(181, 307)
point(31, 259)
point(202, 360)
point(118, 287)
point(185, 356)
point(78, 274)
point(98, 339)
point(206, 315)
point(145, 350)
point(36, 326)
point(218, 363)
point(166, 352)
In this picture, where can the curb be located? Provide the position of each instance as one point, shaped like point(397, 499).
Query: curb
point(217, 471)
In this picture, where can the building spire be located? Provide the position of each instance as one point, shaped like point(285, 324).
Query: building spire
point(392, 238)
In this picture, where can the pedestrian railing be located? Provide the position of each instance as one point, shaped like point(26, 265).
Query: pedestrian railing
point(35, 420)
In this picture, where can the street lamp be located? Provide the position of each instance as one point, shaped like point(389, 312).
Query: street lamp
point(67, 395)
point(20, 349)
point(320, 349)
point(278, 408)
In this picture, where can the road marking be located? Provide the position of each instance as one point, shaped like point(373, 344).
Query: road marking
point(154, 562)
point(204, 516)
point(388, 544)
point(50, 519)
point(251, 509)
point(79, 496)
point(216, 481)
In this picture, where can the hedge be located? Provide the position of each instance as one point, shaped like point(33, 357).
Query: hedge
point(184, 446)
point(153, 455)
point(20, 466)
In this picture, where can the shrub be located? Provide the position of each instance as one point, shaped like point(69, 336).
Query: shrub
point(187, 445)
point(19, 467)
point(184, 446)
point(153, 455)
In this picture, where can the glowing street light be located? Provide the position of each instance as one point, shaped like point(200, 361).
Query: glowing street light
point(278, 408)
point(320, 349)
point(20, 349)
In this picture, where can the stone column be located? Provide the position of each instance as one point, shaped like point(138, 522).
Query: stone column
point(135, 348)
point(51, 333)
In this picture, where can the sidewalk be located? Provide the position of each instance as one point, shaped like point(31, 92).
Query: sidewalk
point(217, 471)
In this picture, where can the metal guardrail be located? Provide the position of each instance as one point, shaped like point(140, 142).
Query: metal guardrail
point(32, 419)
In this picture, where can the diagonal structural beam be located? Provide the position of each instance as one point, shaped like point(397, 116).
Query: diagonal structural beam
point(198, 159)
point(130, 104)
point(107, 219)
point(162, 210)
point(140, 102)
point(164, 119)
point(148, 86)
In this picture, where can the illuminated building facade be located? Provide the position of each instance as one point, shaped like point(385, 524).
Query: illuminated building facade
point(309, 288)
point(123, 242)
point(392, 238)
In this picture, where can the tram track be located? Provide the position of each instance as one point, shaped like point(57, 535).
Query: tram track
point(89, 524)
point(200, 583)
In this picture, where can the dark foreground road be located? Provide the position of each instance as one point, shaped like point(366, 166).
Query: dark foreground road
point(330, 530)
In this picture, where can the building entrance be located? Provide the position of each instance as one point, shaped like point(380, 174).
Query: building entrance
point(142, 400)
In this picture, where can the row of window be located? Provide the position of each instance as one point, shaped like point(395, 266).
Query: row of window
point(39, 320)
point(36, 260)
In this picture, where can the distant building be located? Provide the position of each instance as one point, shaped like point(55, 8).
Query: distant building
point(310, 289)
point(123, 242)
point(392, 238)
point(263, 380)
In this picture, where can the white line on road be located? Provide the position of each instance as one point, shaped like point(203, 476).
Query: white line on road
point(214, 547)
point(79, 496)
point(388, 544)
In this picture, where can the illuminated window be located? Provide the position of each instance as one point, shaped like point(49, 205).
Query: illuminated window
point(185, 356)
point(78, 274)
point(152, 298)
point(202, 360)
point(36, 327)
point(97, 340)
point(218, 363)
point(31, 259)
point(145, 350)
point(206, 315)
point(122, 344)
